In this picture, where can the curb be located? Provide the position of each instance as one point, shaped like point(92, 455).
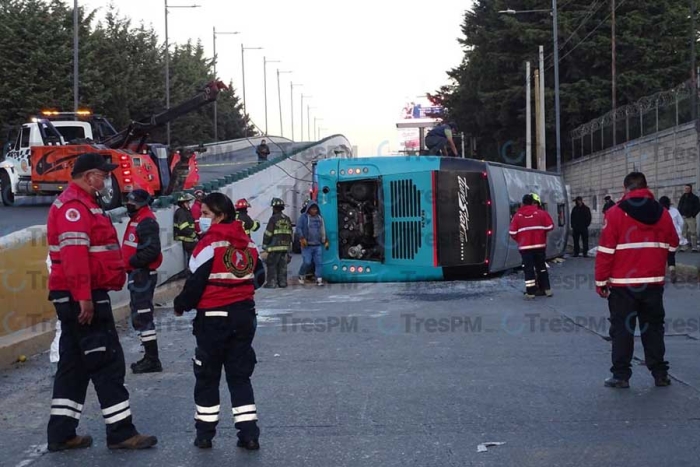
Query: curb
point(37, 339)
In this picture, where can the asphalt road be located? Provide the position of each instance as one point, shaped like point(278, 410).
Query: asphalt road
point(357, 375)
point(29, 211)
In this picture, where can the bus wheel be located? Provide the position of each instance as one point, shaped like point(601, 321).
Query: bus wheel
point(113, 198)
point(8, 198)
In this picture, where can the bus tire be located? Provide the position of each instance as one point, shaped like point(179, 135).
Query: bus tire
point(114, 199)
point(8, 197)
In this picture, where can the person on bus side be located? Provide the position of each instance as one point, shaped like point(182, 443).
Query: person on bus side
point(439, 137)
point(311, 230)
point(529, 229)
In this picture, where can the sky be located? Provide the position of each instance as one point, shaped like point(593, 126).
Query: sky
point(357, 63)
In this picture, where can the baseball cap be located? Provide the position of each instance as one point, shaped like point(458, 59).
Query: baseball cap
point(91, 161)
point(138, 197)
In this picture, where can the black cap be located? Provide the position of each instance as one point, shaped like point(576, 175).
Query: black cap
point(139, 198)
point(91, 161)
point(578, 198)
point(607, 197)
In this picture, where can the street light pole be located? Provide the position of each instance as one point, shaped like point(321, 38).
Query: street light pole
point(279, 98)
point(291, 85)
point(75, 56)
point(216, 59)
point(316, 120)
point(243, 49)
point(556, 82)
point(167, 59)
point(265, 62)
point(308, 121)
point(301, 111)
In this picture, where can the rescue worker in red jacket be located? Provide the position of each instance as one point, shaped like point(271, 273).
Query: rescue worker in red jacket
point(225, 273)
point(529, 229)
point(142, 258)
point(638, 233)
point(86, 263)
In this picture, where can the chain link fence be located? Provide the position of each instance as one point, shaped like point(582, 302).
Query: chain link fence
point(649, 115)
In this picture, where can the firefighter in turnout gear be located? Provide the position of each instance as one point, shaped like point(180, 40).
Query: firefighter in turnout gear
point(249, 225)
point(277, 244)
point(226, 271)
point(183, 225)
point(196, 209)
point(142, 257)
point(529, 229)
point(87, 263)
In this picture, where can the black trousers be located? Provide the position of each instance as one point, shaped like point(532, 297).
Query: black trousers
point(88, 353)
point(536, 272)
point(583, 235)
point(277, 269)
point(671, 258)
point(224, 339)
point(142, 285)
point(627, 305)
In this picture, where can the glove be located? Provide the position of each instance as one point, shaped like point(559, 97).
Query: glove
point(263, 255)
point(604, 292)
point(303, 243)
point(327, 244)
point(289, 258)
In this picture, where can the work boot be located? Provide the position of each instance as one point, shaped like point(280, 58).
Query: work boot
point(202, 443)
point(147, 365)
point(319, 281)
point(302, 280)
point(613, 382)
point(270, 285)
point(548, 292)
point(250, 445)
point(673, 274)
point(136, 442)
point(78, 442)
point(529, 296)
point(662, 380)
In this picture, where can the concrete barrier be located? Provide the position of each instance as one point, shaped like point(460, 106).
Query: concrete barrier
point(27, 317)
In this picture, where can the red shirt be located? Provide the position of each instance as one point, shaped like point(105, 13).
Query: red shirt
point(529, 227)
point(196, 211)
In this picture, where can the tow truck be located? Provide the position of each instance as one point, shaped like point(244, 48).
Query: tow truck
point(42, 157)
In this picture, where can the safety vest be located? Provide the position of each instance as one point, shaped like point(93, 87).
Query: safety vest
point(131, 239)
point(83, 246)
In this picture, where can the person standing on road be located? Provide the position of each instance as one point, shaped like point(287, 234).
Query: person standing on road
point(689, 207)
point(677, 219)
point(277, 243)
point(608, 203)
point(225, 273)
point(197, 209)
point(630, 266)
point(263, 151)
point(311, 230)
point(529, 229)
point(249, 225)
point(142, 258)
point(87, 263)
point(183, 225)
point(580, 221)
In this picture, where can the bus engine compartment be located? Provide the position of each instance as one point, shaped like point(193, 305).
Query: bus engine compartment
point(360, 220)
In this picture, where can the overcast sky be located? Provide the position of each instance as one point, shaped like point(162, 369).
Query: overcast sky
point(360, 61)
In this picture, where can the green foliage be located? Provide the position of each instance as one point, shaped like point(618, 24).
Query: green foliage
point(121, 72)
point(487, 91)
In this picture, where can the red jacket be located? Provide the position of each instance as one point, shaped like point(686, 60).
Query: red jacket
point(141, 245)
point(529, 227)
point(83, 246)
point(233, 259)
point(196, 211)
point(637, 235)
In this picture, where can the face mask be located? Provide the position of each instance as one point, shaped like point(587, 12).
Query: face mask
point(131, 209)
point(106, 188)
point(204, 223)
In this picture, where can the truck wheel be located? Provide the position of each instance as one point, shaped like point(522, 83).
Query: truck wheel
point(8, 198)
point(113, 199)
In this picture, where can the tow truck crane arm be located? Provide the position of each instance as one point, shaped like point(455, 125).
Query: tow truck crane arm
point(139, 130)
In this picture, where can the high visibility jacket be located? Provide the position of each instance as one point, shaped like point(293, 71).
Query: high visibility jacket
point(637, 235)
point(249, 225)
point(83, 246)
point(196, 214)
point(183, 226)
point(141, 243)
point(529, 227)
point(278, 234)
point(223, 266)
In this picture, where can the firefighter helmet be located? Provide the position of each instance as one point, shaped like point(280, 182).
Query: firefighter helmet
point(184, 197)
point(277, 203)
point(242, 204)
point(536, 198)
point(199, 194)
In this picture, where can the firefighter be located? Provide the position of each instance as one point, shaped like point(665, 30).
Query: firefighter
point(183, 225)
point(630, 265)
point(86, 263)
point(277, 243)
point(529, 229)
point(197, 209)
point(249, 225)
point(226, 272)
point(142, 257)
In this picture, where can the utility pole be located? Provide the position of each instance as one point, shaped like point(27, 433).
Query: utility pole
point(528, 118)
point(75, 56)
point(279, 98)
point(216, 59)
point(614, 83)
point(538, 120)
point(265, 62)
point(556, 83)
point(693, 70)
point(543, 131)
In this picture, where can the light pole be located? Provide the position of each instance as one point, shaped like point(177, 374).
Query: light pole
point(216, 59)
point(243, 49)
point(279, 98)
point(555, 34)
point(316, 120)
point(321, 130)
point(167, 59)
point(291, 86)
point(308, 121)
point(265, 62)
point(75, 56)
point(301, 111)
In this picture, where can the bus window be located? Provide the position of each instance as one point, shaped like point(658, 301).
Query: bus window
point(561, 214)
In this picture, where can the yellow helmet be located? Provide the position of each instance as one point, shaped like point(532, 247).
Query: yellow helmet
point(536, 198)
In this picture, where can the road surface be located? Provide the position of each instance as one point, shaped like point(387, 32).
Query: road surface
point(404, 375)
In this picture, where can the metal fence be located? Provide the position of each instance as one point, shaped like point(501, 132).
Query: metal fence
point(647, 116)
